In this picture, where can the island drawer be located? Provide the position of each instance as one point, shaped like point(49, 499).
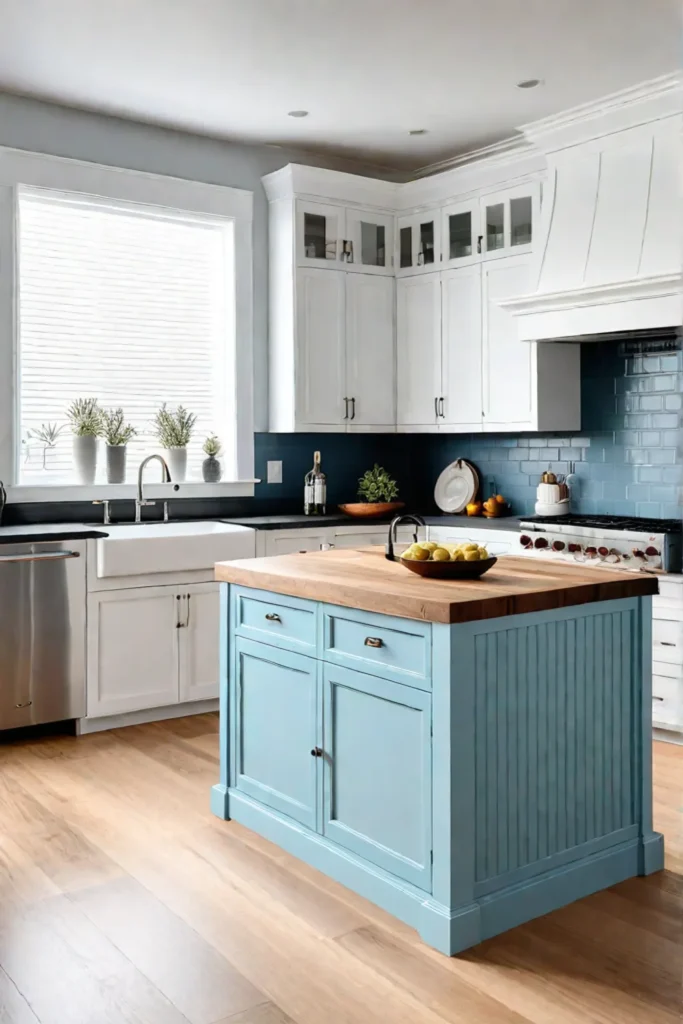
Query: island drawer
point(287, 622)
point(382, 645)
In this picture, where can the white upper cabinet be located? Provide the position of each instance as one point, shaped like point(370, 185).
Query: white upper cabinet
point(418, 351)
point(320, 360)
point(418, 243)
point(319, 234)
point(461, 341)
point(368, 244)
point(507, 221)
point(460, 233)
point(370, 353)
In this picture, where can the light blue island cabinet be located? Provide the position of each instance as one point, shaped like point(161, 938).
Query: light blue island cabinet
point(466, 775)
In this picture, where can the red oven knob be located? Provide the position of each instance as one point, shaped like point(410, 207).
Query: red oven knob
point(651, 551)
point(603, 552)
point(574, 548)
point(540, 542)
point(591, 552)
point(558, 545)
point(525, 541)
point(638, 553)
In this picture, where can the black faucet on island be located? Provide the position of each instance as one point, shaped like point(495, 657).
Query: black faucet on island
point(391, 540)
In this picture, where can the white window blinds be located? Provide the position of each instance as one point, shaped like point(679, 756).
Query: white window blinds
point(130, 305)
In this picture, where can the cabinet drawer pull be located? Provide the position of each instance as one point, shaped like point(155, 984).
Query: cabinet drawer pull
point(273, 617)
point(316, 752)
point(666, 643)
point(26, 704)
point(373, 641)
point(657, 698)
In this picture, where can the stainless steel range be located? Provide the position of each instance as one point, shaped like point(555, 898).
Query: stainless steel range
point(616, 542)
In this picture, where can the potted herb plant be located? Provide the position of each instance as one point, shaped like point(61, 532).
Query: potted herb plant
point(116, 433)
point(378, 493)
point(85, 417)
point(211, 467)
point(174, 432)
point(46, 436)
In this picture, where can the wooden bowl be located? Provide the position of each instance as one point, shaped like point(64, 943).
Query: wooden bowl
point(450, 570)
point(372, 509)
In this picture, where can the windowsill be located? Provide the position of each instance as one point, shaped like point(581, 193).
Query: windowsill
point(116, 492)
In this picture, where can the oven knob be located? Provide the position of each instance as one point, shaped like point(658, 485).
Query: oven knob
point(540, 542)
point(603, 552)
point(651, 552)
point(625, 555)
point(558, 545)
point(638, 553)
point(574, 548)
point(615, 555)
point(525, 541)
point(591, 552)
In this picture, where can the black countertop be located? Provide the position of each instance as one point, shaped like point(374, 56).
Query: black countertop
point(296, 522)
point(45, 532)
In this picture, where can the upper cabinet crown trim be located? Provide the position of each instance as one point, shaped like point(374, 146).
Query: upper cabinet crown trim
point(297, 180)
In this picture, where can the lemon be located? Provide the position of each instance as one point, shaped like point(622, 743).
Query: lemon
point(441, 555)
point(428, 545)
point(420, 554)
point(483, 553)
point(470, 547)
point(458, 556)
point(472, 556)
point(408, 554)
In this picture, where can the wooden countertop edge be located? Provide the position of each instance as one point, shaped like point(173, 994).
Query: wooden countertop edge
point(382, 602)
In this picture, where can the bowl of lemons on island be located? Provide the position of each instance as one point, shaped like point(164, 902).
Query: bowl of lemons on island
point(466, 561)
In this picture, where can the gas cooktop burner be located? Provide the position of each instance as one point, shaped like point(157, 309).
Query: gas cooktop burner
point(631, 524)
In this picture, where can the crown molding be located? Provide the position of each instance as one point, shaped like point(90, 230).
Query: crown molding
point(507, 149)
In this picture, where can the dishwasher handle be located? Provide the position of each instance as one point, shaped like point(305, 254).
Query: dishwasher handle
point(47, 556)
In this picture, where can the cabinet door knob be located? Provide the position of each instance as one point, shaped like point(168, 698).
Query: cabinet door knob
point(316, 752)
point(273, 617)
point(373, 641)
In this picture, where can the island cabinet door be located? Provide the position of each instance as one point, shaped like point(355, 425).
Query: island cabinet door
point(276, 729)
point(377, 772)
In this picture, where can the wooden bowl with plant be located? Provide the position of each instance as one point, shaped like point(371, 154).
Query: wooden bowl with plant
point(378, 493)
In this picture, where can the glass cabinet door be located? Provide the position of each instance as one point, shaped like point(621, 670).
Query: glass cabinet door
point(508, 220)
point(460, 231)
point(418, 242)
point(320, 234)
point(368, 242)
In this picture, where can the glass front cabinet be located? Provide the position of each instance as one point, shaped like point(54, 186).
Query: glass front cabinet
point(344, 237)
point(418, 243)
point(507, 221)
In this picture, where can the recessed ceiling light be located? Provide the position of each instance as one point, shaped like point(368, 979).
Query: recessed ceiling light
point(297, 113)
point(417, 131)
point(529, 83)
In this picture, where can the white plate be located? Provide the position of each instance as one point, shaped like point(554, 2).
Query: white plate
point(456, 486)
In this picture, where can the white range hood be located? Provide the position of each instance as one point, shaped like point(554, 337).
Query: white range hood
point(608, 258)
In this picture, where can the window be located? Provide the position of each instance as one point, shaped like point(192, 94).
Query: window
point(128, 303)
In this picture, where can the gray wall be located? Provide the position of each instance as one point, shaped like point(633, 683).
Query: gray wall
point(46, 128)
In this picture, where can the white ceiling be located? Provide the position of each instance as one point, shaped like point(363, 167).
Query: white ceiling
point(367, 70)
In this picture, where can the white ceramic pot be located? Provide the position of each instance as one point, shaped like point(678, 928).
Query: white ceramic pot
point(177, 463)
point(85, 457)
point(116, 463)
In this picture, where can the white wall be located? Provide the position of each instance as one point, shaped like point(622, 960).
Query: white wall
point(46, 128)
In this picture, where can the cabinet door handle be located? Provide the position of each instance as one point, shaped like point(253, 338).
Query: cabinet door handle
point(346, 408)
point(436, 407)
point(441, 412)
point(273, 617)
point(480, 239)
point(26, 704)
point(353, 408)
point(316, 752)
point(187, 617)
point(373, 641)
point(177, 612)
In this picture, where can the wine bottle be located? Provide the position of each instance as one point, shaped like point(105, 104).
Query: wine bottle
point(315, 489)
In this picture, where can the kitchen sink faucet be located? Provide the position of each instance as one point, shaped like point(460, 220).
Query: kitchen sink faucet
point(140, 501)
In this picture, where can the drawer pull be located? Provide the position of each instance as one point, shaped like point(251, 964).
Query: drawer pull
point(316, 752)
point(666, 643)
point(657, 698)
point(373, 641)
point(273, 617)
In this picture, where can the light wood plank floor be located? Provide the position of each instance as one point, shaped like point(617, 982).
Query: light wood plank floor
point(124, 900)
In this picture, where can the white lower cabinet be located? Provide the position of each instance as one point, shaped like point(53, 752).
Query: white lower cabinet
point(151, 647)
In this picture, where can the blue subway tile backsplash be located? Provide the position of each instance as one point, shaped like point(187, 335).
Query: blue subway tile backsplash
point(627, 455)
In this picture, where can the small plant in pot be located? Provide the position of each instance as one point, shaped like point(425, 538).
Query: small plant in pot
point(211, 467)
point(46, 437)
point(174, 432)
point(116, 433)
point(378, 492)
point(85, 417)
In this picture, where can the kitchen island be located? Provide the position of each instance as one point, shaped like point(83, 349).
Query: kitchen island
point(467, 755)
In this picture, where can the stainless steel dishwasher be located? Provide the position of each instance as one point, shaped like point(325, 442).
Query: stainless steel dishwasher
point(42, 632)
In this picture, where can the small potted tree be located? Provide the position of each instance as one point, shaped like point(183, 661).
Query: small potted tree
point(211, 467)
point(85, 417)
point(46, 437)
point(174, 432)
point(116, 433)
point(378, 493)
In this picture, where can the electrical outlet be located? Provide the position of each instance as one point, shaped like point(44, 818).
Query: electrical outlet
point(274, 472)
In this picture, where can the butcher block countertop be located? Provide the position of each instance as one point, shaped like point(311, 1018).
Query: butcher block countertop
point(363, 578)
